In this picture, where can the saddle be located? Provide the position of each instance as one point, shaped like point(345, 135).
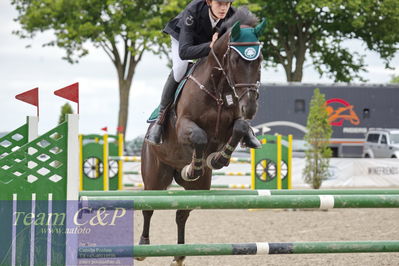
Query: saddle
point(190, 69)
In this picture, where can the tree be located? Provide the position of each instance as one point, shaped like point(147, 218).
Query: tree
point(394, 79)
point(65, 109)
point(317, 137)
point(123, 29)
point(317, 31)
point(134, 146)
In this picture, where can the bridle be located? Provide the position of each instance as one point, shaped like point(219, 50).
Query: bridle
point(250, 87)
point(254, 87)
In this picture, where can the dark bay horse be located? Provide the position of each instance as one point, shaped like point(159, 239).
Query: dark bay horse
point(208, 121)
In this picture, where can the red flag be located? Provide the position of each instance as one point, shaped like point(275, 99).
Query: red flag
point(105, 129)
point(31, 97)
point(120, 129)
point(70, 93)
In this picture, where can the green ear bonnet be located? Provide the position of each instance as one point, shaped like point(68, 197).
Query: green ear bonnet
point(247, 35)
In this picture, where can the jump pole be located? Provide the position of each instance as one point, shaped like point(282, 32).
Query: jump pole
point(105, 163)
point(80, 162)
point(260, 248)
point(260, 192)
point(241, 202)
point(33, 122)
point(289, 174)
point(120, 162)
point(279, 154)
point(106, 159)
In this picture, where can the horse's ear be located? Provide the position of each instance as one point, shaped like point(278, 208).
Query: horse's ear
point(235, 31)
point(260, 27)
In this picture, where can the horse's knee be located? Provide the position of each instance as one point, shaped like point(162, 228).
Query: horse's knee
point(198, 137)
point(241, 127)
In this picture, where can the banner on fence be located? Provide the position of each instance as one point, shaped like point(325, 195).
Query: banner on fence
point(354, 172)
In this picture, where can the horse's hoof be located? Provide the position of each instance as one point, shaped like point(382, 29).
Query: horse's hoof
point(222, 161)
point(216, 162)
point(209, 160)
point(177, 263)
point(185, 172)
point(143, 241)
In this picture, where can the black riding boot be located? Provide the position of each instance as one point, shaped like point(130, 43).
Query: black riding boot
point(155, 134)
point(250, 140)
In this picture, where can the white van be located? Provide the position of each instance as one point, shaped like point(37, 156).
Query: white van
point(381, 143)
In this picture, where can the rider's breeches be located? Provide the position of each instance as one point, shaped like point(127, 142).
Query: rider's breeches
point(179, 66)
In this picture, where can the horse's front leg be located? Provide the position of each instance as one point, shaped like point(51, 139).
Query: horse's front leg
point(181, 219)
point(217, 160)
point(190, 133)
point(145, 236)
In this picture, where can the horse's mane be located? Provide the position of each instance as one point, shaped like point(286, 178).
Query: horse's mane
point(243, 15)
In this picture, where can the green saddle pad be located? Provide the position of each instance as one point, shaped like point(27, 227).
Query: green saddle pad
point(154, 115)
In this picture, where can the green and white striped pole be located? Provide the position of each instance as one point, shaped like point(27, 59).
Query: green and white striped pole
point(260, 248)
point(241, 202)
point(260, 192)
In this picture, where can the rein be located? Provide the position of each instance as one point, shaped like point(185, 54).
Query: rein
point(219, 100)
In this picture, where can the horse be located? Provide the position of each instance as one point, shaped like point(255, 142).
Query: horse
point(209, 119)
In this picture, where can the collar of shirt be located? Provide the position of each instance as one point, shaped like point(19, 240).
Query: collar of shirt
point(213, 21)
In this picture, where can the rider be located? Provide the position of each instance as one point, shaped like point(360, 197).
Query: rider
point(193, 33)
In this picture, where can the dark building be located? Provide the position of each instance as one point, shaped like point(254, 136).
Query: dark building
point(353, 109)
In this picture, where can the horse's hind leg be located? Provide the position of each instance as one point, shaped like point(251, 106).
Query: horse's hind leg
point(220, 159)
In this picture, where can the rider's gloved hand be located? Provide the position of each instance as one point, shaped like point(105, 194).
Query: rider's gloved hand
point(214, 38)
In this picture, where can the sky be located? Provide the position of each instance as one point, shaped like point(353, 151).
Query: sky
point(22, 69)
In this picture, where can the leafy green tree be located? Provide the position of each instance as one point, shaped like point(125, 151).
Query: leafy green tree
point(65, 109)
point(317, 137)
point(316, 32)
point(394, 79)
point(123, 29)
